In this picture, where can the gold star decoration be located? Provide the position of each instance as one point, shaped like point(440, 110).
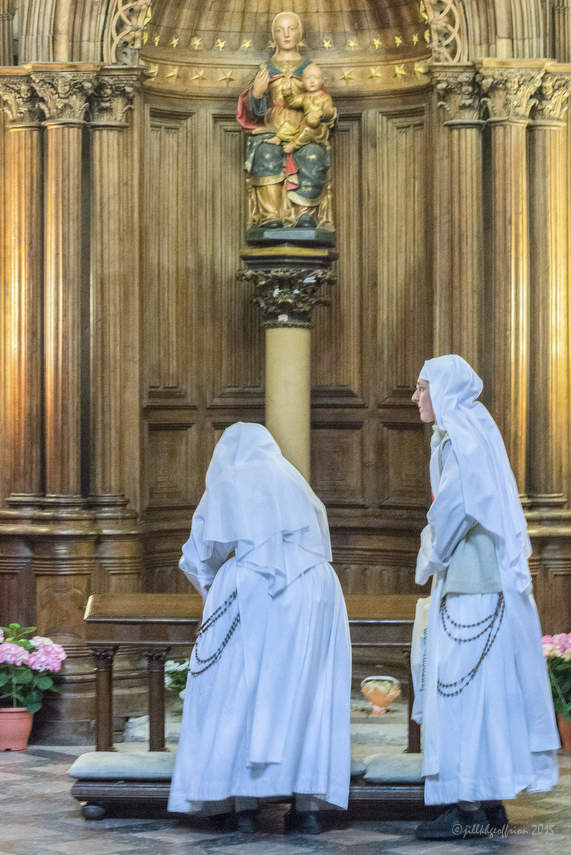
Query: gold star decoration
point(398, 41)
point(196, 42)
point(352, 44)
point(400, 71)
point(375, 72)
point(327, 44)
point(174, 41)
point(427, 36)
point(153, 69)
point(423, 14)
point(245, 45)
point(148, 16)
point(227, 77)
point(173, 73)
point(301, 43)
point(198, 75)
point(220, 44)
point(145, 37)
point(271, 44)
point(347, 75)
point(377, 43)
point(157, 40)
point(420, 69)
point(415, 38)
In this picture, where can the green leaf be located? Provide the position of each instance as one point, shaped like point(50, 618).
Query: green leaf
point(33, 706)
point(4, 678)
point(44, 682)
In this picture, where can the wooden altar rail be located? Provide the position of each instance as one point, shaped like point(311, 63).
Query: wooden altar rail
point(157, 623)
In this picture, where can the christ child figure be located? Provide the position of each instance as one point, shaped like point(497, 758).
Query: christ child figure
point(319, 114)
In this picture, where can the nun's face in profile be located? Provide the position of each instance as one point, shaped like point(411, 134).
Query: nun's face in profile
point(422, 399)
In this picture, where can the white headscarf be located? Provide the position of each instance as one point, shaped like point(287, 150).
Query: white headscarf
point(257, 501)
point(488, 484)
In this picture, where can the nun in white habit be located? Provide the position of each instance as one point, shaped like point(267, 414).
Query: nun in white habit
point(485, 706)
point(267, 704)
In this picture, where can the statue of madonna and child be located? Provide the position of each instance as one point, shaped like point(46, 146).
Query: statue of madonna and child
point(288, 115)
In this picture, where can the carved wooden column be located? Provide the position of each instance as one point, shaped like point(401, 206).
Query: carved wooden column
point(286, 294)
point(459, 250)
point(549, 310)
point(109, 281)
point(509, 96)
point(7, 8)
point(65, 99)
point(561, 30)
point(24, 239)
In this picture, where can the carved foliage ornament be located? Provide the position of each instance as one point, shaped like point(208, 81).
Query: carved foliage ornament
point(113, 98)
point(65, 96)
point(287, 295)
point(458, 95)
point(19, 100)
point(509, 93)
point(552, 98)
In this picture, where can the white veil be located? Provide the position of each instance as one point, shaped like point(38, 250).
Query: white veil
point(258, 503)
point(488, 484)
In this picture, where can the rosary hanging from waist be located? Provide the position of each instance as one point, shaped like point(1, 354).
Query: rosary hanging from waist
point(488, 626)
point(205, 663)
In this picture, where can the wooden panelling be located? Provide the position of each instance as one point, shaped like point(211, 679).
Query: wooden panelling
point(404, 321)
point(337, 464)
point(403, 479)
point(233, 339)
point(170, 275)
point(171, 478)
point(337, 342)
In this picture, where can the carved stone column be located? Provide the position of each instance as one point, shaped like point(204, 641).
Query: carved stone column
point(109, 281)
point(561, 30)
point(64, 96)
point(549, 311)
point(24, 238)
point(286, 294)
point(7, 9)
point(459, 250)
point(509, 95)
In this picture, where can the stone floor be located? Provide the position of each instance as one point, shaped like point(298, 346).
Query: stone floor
point(39, 817)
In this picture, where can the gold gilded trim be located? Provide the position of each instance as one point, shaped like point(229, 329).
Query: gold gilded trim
point(264, 180)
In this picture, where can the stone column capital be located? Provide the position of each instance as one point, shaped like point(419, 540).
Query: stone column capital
point(287, 295)
point(552, 98)
point(112, 98)
point(64, 94)
point(458, 93)
point(20, 100)
point(509, 91)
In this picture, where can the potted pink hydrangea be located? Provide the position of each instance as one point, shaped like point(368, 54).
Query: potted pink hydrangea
point(27, 662)
point(557, 652)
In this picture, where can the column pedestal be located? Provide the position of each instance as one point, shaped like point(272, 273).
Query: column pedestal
point(287, 282)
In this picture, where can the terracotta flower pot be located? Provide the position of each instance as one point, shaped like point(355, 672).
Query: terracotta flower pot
point(15, 728)
point(380, 691)
point(564, 728)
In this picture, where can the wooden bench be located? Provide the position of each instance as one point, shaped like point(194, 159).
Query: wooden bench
point(157, 624)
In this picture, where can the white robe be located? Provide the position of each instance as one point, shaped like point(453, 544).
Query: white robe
point(271, 717)
point(498, 736)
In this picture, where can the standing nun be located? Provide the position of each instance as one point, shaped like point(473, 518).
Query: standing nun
point(485, 706)
point(267, 704)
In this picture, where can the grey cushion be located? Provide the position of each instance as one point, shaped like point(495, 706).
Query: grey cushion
point(394, 769)
point(124, 766)
point(357, 767)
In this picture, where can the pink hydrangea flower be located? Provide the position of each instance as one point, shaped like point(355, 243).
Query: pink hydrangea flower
point(1, 635)
point(13, 654)
point(47, 656)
